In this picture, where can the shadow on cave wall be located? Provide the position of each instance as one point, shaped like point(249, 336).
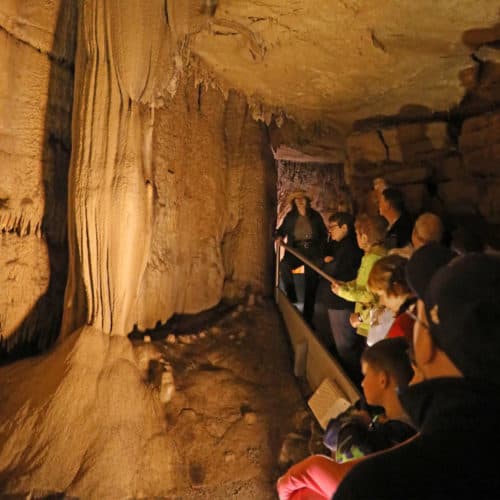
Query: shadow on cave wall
point(41, 326)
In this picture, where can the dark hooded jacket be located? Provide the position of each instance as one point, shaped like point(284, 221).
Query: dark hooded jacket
point(319, 232)
point(453, 456)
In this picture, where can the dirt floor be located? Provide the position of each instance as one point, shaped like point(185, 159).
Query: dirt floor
point(204, 407)
point(238, 415)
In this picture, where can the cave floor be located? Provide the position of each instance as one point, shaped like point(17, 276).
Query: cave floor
point(238, 415)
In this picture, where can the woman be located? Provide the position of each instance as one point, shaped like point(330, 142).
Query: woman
point(370, 232)
point(305, 231)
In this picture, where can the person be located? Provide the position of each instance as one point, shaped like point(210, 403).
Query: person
point(305, 231)
point(428, 228)
point(379, 186)
point(455, 408)
point(332, 313)
point(356, 432)
point(370, 231)
point(392, 207)
point(387, 280)
point(386, 367)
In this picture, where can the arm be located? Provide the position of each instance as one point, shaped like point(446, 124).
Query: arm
point(317, 476)
point(354, 292)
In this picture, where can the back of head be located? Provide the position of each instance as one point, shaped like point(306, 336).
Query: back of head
point(428, 228)
point(388, 274)
point(379, 184)
point(374, 226)
point(395, 199)
point(391, 356)
point(463, 303)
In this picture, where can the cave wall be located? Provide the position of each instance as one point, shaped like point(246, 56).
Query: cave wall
point(172, 191)
point(449, 168)
point(214, 183)
point(323, 182)
point(209, 182)
point(37, 45)
point(162, 183)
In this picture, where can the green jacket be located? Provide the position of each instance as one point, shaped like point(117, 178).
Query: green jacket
point(356, 291)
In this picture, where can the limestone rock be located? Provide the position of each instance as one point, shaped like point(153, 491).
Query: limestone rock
point(479, 144)
point(367, 147)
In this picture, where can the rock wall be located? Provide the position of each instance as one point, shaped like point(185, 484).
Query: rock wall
point(167, 187)
point(214, 184)
point(324, 183)
point(37, 43)
point(453, 173)
point(172, 185)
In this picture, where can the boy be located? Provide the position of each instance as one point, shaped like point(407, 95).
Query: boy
point(386, 367)
point(357, 432)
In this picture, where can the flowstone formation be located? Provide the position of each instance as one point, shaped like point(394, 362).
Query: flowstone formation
point(81, 420)
point(151, 147)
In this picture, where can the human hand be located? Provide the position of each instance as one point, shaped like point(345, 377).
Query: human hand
point(328, 259)
point(335, 287)
point(355, 320)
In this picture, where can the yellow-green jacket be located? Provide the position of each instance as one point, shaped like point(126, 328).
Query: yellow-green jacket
point(356, 291)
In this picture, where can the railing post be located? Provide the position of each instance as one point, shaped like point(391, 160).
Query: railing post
point(277, 269)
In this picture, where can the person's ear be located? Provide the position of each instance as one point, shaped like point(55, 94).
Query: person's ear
point(383, 379)
point(428, 348)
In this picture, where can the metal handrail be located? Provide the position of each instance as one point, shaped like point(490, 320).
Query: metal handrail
point(305, 260)
point(312, 359)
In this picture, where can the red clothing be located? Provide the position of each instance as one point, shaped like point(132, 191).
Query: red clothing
point(402, 326)
point(315, 478)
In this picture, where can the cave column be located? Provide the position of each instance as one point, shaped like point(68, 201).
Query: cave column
point(110, 185)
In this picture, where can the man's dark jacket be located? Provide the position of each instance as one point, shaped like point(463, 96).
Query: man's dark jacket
point(344, 267)
point(453, 456)
point(399, 235)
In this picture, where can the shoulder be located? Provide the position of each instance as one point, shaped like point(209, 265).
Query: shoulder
point(372, 257)
point(364, 480)
point(314, 214)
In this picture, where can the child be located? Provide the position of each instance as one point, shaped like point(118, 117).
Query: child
point(386, 367)
point(331, 312)
point(387, 280)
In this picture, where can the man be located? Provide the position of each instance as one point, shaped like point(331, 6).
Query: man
point(428, 228)
point(379, 186)
point(357, 432)
point(332, 313)
point(400, 225)
point(305, 231)
point(456, 406)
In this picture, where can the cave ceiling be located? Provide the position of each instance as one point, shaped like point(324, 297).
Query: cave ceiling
point(340, 61)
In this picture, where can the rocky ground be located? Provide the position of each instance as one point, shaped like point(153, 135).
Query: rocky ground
point(238, 415)
point(206, 406)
